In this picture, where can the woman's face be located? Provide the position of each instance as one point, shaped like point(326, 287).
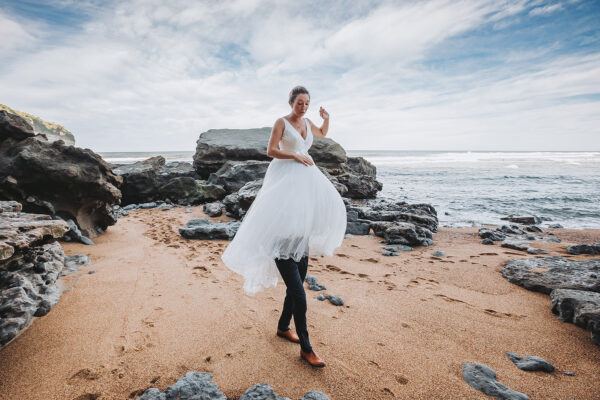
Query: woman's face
point(300, 105)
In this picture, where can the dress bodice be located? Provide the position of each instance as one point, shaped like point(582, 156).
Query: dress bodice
point(292, 139)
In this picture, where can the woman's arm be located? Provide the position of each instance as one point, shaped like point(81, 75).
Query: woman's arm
point(322, 131)
point(274, 152)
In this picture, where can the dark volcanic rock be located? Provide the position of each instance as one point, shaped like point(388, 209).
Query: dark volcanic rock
point(198, 386)
point(194, 385)
point(530, 363)
point(516, 244)
point(216, 146)
point(30, 263)
point(55, 179)
point(546, 274)
point(233, 175)
point(313, 283)
point(238, 203)
point(203, 228)
point(584, 249)
point(483, 378)
point(486, 233)
point(213, 209)
point(579, 307)
point(525, 220)
point(153, 180)
point(355, 225)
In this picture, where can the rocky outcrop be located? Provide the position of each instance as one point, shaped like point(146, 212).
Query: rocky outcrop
point(198, 385)
point(398, 222)
point(154, 180)
point(549, 273)
point(352, 177)
point(584, 249)
point(51, 130)
point(574, 287)
point(55, 179)
point(234, 174)
point(238, 203)
point(30, 263)
point(579, 307)
point(523, 219)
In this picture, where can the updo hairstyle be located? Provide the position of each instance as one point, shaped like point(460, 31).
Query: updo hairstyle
point(295, 92)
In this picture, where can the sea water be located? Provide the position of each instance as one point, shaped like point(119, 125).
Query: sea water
point(479, 187)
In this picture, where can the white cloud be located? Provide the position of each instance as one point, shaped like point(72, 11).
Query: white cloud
point(149, 75)
point(546, 10)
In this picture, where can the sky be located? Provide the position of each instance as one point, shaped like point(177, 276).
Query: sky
point(149, 75)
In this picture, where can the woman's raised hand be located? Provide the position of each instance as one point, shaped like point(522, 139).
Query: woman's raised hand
point(303, 159)
point(324, 114)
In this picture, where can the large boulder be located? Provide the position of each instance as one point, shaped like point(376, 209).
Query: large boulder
point(51, 130)
point(55, 179)
point(549, 273)
point(30, 263)
point(155, 180)
point(233, 175)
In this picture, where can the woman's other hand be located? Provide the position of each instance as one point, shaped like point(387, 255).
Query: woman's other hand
point(303, 159)
point(324, 114)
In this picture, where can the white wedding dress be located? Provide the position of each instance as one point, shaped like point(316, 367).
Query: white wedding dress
point(296, 212)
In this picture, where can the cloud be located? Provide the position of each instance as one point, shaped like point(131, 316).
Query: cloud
point(148, 75)
point(546, 10)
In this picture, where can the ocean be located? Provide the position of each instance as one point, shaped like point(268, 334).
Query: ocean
point(472, 188)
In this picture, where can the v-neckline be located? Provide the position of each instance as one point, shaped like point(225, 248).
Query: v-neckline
point(299, 134)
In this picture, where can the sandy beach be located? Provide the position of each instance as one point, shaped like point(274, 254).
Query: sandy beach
point(158, 306)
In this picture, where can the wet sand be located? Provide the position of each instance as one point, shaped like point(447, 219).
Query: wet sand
point(159, 306)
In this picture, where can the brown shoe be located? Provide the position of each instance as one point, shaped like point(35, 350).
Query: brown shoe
point(289, 335)
point(312, 358)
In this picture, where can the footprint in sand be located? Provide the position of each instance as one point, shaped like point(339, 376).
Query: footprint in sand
point(401, 379)
point(372, 260)
point(342, 255)
point(95, 396)
point(85, 374)
point(488, 254)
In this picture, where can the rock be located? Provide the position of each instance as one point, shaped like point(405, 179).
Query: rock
point(549, 273)
point(51, 131)
point(558, 226)
point(55, 179)
point(530, 363)
point(533, 228)
point(187, 190)
point(483, 378)
point(203, 228)
point(235, 174)
point(320, 297)
point(356, 226)
point(194, 385)
point(396, 247)
point(188, 211)
point(402, 233)
point(74, 263)
point(313, 284)
point(584, 249)
point(238, 203)
point(486, 233)
point(389, 253)
point(487, 241)
point(552, 240)
point(516, 244)
point(569, 373)
point(362, 166)
point(264, 391)
point(421, 215)
point(216, 146)
point(439, 253)
point(335, 300)
point(30, 262)
point(213, 209)
point(533, 250)
point(530, 236)
point(511, 229)
point(525, 220)
point(579, 307)
point(74, 234)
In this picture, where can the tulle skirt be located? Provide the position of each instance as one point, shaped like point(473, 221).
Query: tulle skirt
point(296, 212)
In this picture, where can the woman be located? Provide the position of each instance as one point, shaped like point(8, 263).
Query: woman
point(296, 212)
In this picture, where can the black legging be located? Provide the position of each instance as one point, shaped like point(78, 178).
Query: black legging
point(293, 274)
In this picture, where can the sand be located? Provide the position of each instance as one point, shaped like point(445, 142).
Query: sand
point(159, 306)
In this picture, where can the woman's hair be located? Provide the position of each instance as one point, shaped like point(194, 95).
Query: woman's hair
point(296, 91)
